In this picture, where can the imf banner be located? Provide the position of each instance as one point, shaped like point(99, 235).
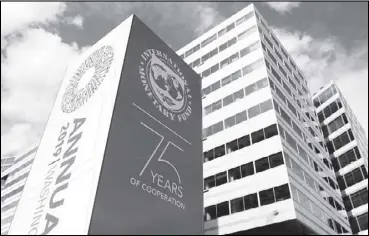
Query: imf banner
point(151, 178)
point(121, 153)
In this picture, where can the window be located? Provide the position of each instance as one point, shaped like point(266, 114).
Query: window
point(348, 157)
point(209, 155)
point(232, 146)
point(341, 140)
point(262, 165)
point(234, 174)
point(266, 197)
point(230, 27)
point(217, 127)
point(363, 221)
point(338, 227)
point(353, 177)
point(282, 193)
point(233, 58)
point(229, 122)
point(237, 205)
point(213, 52)
point(219, 151)
point(222, 32)
point(276, 159)
point(216, 105)
point(241, 20)
point(215, 86)
point(251, 88)
point(251, 201)
point(257, 136)
point(206, 73)
point(240, 117)
point(221, 178)
point(254, 111)
point(310, 181)
point(244, 142)
point(271, 131)
point(222, 209)
point(285, 116)
point(210, 213)
point(360, 198)
point(226, 80)
point(223, 47)
point(266, 106)
point(214, 68)
point(228, 100)
point(232, 41)
point(208, 40)
point(238, 95)
point(236, 75)
point(336, 124)
point(196, 63)
point(247, 169)
point(209, 182)
point(224, 63)
point(291, 141)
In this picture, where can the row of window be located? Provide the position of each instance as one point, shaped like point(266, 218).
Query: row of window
point(359, 223)
point(346, 159)
point(238, 118)
point(356, 199)
point(286, 136)
point(217, 35)
point(280, 47)
point(223, 47)
point(234, 57)
point(281, 95)
point(250, 201)
point(242, 142)
point(329, 110)
point(306, 203)
point(295, 127)
point(292, 165)
point(323, 97)
point(235, 96)
point(243, 171)
point(340, 141)
point(334, 125)
point(269, 56)
point(232, 77)
point(352, 178)
point(287, 61)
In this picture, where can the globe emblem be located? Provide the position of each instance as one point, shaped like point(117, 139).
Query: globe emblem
point(167, 86)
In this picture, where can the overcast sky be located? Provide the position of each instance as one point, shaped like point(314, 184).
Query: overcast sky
point(329, 41)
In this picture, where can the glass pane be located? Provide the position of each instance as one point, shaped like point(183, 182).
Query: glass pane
point(266, 197)
point(240, 117)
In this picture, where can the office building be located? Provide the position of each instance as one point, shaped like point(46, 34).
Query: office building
point(348, 148)
point(266, 167)
point(13, 181)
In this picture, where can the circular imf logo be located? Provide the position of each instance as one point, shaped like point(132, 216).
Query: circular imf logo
point(100, 62)
point(165, 85)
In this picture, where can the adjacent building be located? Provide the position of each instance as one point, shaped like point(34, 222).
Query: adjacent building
point(13, 180)
point(266, 166)
point(348, 148)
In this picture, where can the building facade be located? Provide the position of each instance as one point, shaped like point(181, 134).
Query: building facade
point(348, 148)
point(13, 180)
point(266, 167)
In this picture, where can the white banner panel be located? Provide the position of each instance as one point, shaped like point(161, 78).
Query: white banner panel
point(60, 191)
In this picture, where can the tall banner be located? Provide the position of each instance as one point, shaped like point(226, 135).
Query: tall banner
point(122, 150)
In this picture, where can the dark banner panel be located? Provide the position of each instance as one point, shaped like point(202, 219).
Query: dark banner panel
point(151, 177)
